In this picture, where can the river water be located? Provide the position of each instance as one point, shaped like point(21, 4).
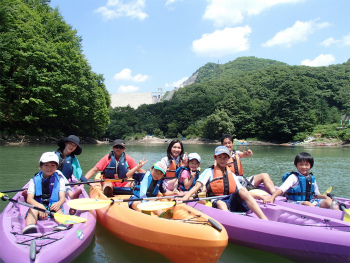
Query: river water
point(19, 163)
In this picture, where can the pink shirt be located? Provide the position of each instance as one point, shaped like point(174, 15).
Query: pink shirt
point(103, 163)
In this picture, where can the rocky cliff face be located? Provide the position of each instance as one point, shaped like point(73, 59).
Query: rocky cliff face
point(190, 80)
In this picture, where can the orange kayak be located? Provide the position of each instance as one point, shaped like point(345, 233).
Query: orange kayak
point(190, 236)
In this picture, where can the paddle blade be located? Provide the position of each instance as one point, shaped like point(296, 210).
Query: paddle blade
point(259, 192)
point(68, 219)
point(88, 203)
point(328, 191)
point(154, 205)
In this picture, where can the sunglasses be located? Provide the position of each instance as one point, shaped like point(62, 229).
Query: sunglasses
point(118, 147)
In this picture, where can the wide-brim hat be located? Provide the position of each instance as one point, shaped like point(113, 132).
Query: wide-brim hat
point(73, 139)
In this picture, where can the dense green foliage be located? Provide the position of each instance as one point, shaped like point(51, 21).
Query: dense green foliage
point(270, 101)
point(46, 84)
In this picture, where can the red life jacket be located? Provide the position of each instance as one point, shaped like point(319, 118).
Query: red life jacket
point(172, 168)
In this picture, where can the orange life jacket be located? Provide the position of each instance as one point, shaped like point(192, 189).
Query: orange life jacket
point(222, 183)
point(172, 168)
point(235, 165)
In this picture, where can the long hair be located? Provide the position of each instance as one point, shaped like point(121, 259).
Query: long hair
point(168, 151)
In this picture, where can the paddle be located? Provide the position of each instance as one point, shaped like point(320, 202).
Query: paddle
point(92, 204)
point(341, 205)
point(152, 206)
point(61, 218)
point(328, 191)
point(88, 182)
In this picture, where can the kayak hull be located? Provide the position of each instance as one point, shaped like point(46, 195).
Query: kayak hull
point(62, 246)
point(296, 235)
point(187, 237)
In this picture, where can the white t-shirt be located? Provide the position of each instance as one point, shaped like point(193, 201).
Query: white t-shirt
point(293, 181)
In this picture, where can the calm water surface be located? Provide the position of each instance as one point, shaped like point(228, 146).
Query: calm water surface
point(19, 163)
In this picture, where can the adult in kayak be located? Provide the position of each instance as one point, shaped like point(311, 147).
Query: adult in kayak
point(219, 180)
point(176, 157)
point(236, 167)
point(69, 164)
point(115, 165)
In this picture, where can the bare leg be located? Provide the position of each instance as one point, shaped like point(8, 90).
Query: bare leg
point(221, 205)
point(251, 203)
point(265, 178)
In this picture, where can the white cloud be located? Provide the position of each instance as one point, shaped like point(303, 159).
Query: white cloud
point(125, 74)
point(222, 42)
point(176, 83)
point(299, 32)
point(169, 2)
point(329, 41)
point(232, 12)
point(321, 60)
point(345, 41)
point(117, 8)
point(127, 89)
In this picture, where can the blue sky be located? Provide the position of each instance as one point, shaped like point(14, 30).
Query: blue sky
point(141, 45)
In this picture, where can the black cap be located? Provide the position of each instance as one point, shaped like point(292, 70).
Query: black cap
point(119, 142)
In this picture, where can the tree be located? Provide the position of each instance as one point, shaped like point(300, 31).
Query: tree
point(44, 77)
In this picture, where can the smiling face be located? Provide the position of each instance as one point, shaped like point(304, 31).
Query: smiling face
point(193, 164)
point(176, 150)
point(228, 143)
point(48, 168)
point(70, 147)
point(221, 160)
point(303, 167)
point(156, 174)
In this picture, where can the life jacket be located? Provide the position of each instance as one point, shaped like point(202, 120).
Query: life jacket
point(148, 187)
point(221, 184)
point(46, 190)
point(304, 191)
point(120, 169)
point(235, 165)
point(181, 185)
point(65, 165)
point(170, 172)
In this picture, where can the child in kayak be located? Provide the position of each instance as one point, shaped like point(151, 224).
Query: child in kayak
point(236, 167)
point(221, 181)
point(188, 175)
point(301, 187)
point(47, 191)
point(149, 184)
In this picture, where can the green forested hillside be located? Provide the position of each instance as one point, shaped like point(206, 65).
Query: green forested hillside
point(275, 102)
point(212, 71)
point(46, 84)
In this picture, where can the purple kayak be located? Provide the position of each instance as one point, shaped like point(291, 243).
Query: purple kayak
point(298, 235)
point(46, 245)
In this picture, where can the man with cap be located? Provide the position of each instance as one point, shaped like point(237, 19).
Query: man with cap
point(221, 181)
point(116, 164)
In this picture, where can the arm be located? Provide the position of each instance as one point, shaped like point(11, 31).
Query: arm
point(131, 172)
point(246, 153)
point(188, 182)
point(194, 190)
point(57, 206)
point(91, 173)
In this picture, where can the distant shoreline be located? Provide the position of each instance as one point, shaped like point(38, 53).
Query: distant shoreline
point(28, 140)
